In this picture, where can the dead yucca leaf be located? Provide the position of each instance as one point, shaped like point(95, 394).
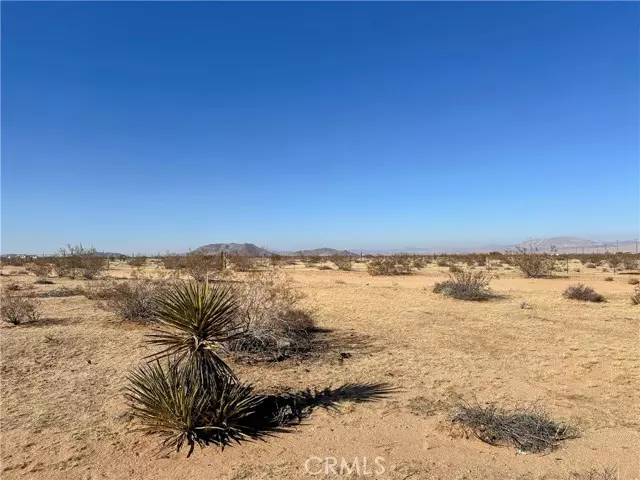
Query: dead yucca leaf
point(196, 320)
point(174, 400)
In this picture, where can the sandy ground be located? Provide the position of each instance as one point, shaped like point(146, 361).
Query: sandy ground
point(63, 415)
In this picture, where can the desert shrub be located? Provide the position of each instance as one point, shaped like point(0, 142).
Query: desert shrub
point(242, 263)
point(41, 270)
point(200, 267)
point(582, 292)
point(131, 299)
point(635, 298)
point(174, 262)
point(311, 260)
point(343, 262)
point(391, 265)
point(275, 326)
point(528, 429)
point(187, 408)
point(455, 269)
point(17, 309)
point(75, 261)
point(465, 285)
point(589, 265)
point(633, 281)
point(532, 263)
point(608, 279)
point(137, 261)
point(276, 260)
point(63, 292)
point(419, 263)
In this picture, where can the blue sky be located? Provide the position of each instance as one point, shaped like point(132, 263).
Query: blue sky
point(146, 127)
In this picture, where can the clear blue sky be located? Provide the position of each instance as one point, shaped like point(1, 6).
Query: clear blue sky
point(145, 126)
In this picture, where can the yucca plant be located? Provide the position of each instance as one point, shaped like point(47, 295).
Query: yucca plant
point(196, 320)
point(173, 400)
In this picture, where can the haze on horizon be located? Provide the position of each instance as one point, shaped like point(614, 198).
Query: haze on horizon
point(147, 127)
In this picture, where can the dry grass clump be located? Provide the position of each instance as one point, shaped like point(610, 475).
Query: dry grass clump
point(633, 281)
point(528, 429)
point(532, 263)
point(16, 309)
point(275, 325)
point(589, 265)
point(391, 265)
point(131, 299)
point(607, 473)
point(465, 285)
point(608, 279)
point(582, 292)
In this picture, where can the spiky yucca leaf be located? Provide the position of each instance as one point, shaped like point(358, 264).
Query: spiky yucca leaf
point(173, 401)
point(196, 321)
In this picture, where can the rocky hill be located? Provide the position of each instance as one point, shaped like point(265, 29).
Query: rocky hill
point(248, 249)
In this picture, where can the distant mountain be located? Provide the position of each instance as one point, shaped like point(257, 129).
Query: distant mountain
point(545, 244)
point(248, 249)
point(325, 252)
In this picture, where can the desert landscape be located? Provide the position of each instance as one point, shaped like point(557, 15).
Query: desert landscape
point(388, 367)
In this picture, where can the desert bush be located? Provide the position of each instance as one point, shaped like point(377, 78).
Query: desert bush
point(174, 262)
point(589, 265)
point(419, 263)
point(185, 408)
point(443, 262)
point(17, 309)
point(131, 299)
point(531, 263)
point(528, 429)
point(275, 326)
point(242, 263)
point(137, 261)
point(343, 262)
point(455, 269)
point(633, 281)
point(635, 298)
point(391, 265)
point(608, 279)
point(582, 292)
point(41, 270)
point(75, 261)
point(63, 292)
point(465, 285)
point(201, 267)
point(311, 260)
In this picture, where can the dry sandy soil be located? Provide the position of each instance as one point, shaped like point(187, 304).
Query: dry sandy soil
point(63, 415)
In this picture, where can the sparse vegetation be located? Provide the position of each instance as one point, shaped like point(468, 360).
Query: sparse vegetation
point(391, 265)
point(607, 473)
point(532, 263)
point(138, 261)
point(17, 309)
point(582, 292)
point(528, 429)
point(274, 324)
point(343, 262)
point(242, 263)
point(41, 270)
point(465, 285)
point(76, 261)
point(589, 265)
point(201, 267)
point(633, 281)
point(608, 279)
point(131, 299)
